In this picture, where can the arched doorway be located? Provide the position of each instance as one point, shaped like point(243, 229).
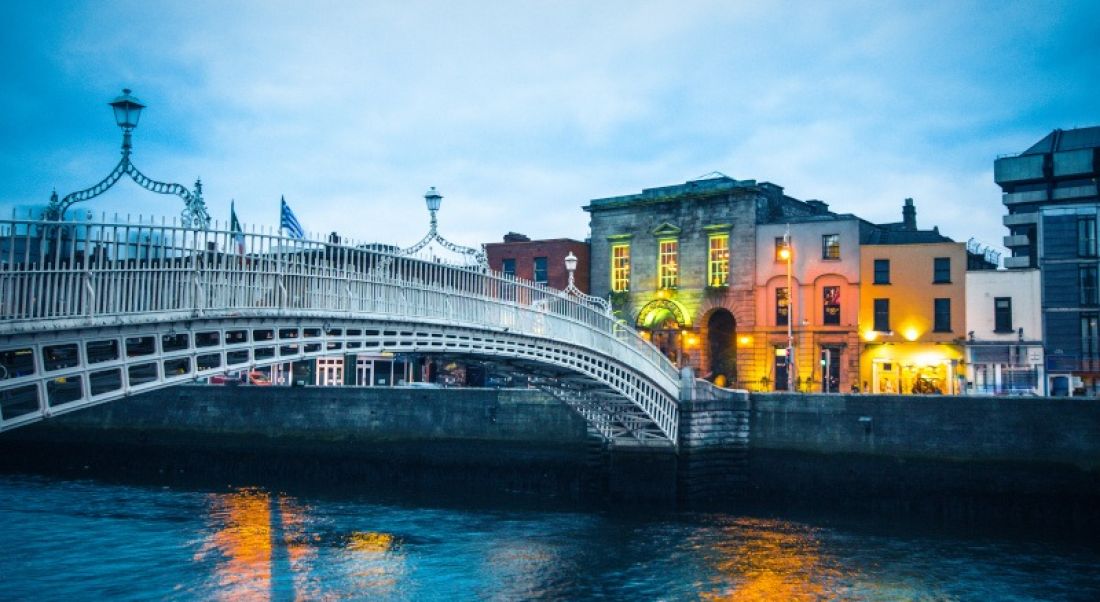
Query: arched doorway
point(661, 321)
point(722, 346)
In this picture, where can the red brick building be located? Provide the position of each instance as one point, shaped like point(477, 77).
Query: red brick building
point(540, 260)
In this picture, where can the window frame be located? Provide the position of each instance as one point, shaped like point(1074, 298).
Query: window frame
point(782, 306)
point(1088, 296)
point(830, 247)
point(668, 263)
point(827, 318)
point(881, 315)
point(1086, 236)
point(1002, 316)
point(941, 314)
point(545, 270)
point(718, 269)
point(941, 270)
point(878, 264)
point(620, 273)
point(505, 264)
point(1090, 336)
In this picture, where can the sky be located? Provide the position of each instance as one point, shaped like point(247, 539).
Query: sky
point(522, 112)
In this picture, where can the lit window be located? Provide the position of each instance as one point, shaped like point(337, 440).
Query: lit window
point(718, 267)
point(830, 246)
point(780, 247)
point(782, 306)
point(667, 262)
point(831, 305)
point(620, 268)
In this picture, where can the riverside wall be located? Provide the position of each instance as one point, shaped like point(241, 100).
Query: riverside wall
point(1024, 460)
point(1027, 458)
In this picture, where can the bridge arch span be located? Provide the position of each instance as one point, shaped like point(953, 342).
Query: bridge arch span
point(87, 324)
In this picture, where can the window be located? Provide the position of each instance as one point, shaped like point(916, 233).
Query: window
point(782, 306)
point(779, 246)
point(830, 246)
point(882, 315)
point(1086, 236)
point(882, 271)
point(620, 268)
point(508, 267)
point(718, 264)
point(667, 263)
point(1002, 314)
point(831, 305)
point(942, 321)
point(1089, 338)
point(540, 271)
point(941, 270)
point(1086, 279)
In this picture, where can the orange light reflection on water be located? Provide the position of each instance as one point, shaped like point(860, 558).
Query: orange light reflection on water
point(773, 560)
point(256, 539)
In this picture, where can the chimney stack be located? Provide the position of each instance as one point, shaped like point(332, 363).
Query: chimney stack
point(909, 215)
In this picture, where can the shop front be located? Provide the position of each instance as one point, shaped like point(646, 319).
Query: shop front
point(913, 369)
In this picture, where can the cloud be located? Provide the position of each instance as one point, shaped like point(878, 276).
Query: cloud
point(522, 113)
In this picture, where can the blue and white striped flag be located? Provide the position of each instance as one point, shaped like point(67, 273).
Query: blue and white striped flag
point(288, 222)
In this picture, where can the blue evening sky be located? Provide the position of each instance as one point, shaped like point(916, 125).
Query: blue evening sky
point(521, 112)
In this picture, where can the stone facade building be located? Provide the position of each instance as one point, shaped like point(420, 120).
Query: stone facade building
point(679, 263)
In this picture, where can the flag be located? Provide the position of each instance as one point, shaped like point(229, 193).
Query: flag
point(288, 222)
point(235, 229)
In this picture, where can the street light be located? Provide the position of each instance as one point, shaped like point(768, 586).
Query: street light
point(600, 303)
point(785, 254)
point(433, 200)
point(127, 111)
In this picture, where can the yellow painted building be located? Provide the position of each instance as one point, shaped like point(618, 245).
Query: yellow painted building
point(912, 317)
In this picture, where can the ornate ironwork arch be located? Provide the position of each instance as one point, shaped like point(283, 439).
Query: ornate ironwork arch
point(668, 305)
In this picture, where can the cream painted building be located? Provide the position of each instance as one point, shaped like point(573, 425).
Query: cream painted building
point(1004, 349)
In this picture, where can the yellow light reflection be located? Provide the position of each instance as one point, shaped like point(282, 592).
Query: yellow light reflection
point(911, 334)
point(773, 560)
point(375, 562)
point(242, 539)
point(744, 340)
point(870, 335)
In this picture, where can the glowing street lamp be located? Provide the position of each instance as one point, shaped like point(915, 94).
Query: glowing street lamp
point(785, 254)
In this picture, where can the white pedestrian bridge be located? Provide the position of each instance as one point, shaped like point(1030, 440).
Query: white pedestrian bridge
point(92, 312)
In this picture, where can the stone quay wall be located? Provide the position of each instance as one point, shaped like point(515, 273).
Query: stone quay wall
point(955, 455)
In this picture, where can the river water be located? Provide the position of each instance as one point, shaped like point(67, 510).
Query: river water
point(67, 539)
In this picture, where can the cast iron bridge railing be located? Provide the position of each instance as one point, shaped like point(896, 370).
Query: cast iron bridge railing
point(91, 312)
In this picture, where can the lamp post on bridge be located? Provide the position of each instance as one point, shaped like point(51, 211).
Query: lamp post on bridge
point(571, 289)
point(127, 110)
point(433, 200)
